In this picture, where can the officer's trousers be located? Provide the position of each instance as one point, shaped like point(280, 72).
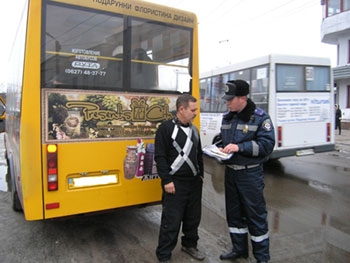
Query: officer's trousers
point(246, 211)
point(182, 207)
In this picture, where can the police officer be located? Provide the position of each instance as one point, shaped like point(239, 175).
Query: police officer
point(248, 133)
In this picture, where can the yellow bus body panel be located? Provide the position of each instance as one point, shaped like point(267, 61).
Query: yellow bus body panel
point(30, 128)
point(95, 160)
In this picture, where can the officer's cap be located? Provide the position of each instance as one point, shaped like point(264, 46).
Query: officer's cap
point(234, 88)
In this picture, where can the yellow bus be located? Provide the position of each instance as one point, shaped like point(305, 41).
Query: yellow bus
point(2, 107)
point(2, 112)
point(89, 83)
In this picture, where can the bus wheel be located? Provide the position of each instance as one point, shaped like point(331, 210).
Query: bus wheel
point(16, 203)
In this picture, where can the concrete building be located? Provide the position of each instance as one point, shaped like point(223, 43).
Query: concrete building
point(335, 29)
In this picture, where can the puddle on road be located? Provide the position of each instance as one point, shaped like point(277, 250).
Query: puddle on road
point(320, 186)
point(308, 211)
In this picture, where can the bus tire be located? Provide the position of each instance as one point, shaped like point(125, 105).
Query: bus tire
point(16, 203)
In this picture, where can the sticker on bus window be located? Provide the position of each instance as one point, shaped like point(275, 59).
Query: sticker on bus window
point(139, 162)
point(104, 116)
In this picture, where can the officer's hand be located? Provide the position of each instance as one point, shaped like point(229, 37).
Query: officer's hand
point(230, 148)
point(169, 188)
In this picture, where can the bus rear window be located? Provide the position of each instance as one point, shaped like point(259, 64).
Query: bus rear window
point(98, 51)
point(160, 57)
point(302, 78)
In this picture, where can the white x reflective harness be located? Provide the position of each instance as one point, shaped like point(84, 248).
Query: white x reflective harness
point(183, 152)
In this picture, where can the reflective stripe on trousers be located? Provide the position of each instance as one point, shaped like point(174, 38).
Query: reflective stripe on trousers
point(234, 230)
point(246, 210)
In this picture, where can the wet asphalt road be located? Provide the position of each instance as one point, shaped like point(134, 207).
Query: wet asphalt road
point(308, 211)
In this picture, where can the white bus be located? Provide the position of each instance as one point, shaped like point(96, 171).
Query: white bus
point(296, 91)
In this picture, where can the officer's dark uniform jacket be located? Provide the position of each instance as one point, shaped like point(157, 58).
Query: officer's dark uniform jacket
point(252, 130)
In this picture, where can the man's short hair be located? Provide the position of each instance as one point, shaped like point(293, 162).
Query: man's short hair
point(184, 100)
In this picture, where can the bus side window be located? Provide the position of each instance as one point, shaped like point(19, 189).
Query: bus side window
point(143, 74)
point(54, 70)
point(114, 72)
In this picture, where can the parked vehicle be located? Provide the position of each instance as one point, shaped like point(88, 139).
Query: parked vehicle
point(2, 113)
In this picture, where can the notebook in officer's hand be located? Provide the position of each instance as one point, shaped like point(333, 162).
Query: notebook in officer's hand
point(214, 151)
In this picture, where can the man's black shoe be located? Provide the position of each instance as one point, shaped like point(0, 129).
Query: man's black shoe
point(233, 255)
point(194, 252)
point(262, 262)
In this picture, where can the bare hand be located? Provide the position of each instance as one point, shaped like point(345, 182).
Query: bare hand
point(169, 188)
point(230, 148)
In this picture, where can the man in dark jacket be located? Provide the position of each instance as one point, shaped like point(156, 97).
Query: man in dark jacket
point(338, 118)
point(248, 133)
point(178, 155)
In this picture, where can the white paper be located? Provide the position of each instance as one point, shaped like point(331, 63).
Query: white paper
point(214, 151)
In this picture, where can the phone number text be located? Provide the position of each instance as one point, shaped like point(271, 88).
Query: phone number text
point(85, 72)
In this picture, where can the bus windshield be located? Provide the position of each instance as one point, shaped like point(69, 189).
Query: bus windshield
point(86, 49)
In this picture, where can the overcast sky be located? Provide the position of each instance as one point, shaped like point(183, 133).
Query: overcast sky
point(230, 31)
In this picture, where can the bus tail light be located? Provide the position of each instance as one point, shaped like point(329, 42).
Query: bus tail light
point(328, 132)
point(52, 172)
point(279, 136)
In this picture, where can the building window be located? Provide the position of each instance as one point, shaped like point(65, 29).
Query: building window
point(333, 7)
point(349, 51)
point(346, 5)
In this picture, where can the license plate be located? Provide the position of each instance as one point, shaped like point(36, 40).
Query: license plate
point(305, 152)
point(90, 181)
